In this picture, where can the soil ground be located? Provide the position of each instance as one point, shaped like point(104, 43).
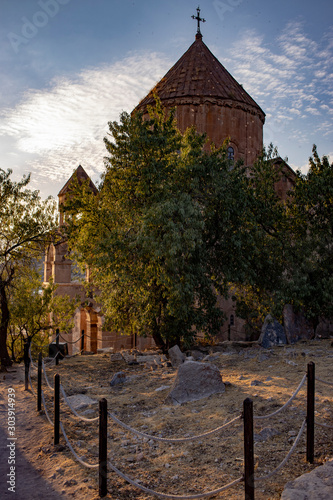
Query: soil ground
point(268, 377)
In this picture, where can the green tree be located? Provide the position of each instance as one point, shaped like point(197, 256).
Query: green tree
point(309, 273)
point(27, 224)
point(35, 310)
point(164, 234)
point(269, 228)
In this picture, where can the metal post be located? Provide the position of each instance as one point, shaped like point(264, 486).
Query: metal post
point(82, 341)
point(56, 408)
point(39, 383)
point(310, 415)
point(248, 449)
point(57, 344)
point(26, 365)
point(103, 440)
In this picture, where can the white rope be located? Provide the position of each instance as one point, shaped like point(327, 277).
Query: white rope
point(53, 359)
point(47, 380)
point(71, 342)
point(46, 412)
point(171, 440)
point(73, 410)
point(32, 389)
point(324, 425)
point(287, 457)
point(31, 360)
point(286, 404)
point(91, 466)
point(177, 497)
point(323, 381)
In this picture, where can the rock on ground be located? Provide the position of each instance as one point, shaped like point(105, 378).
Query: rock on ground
point(195, 380)
point(272, 333)
point(176, 356)
point(118, 378)
point(315, 485)
point(79, 401)
point(296, 325)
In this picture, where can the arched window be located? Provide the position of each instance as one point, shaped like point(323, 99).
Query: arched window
point(231, 153)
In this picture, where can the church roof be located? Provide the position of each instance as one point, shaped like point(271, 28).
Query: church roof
point(199, 74)
point(81, 175)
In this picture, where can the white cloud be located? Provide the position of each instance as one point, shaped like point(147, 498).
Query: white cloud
point(64, 125)
point(312, 111)
point(288, 77)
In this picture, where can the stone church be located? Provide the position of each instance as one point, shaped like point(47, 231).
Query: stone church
point(205, 95)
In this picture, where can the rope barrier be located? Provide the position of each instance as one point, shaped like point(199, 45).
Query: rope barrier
point(172, 440)
point(91, 466)
point(73, 410)
point(324, 425)
point(323, 381)
point(286, 404)
point(70, 342)
point(287, 457)
point(177, 497)
point(45, 409)
point(31, 360)
point(46, 379)
point(32, 389)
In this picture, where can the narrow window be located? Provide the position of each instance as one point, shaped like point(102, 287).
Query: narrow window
point(231, 153)
point(232, 320)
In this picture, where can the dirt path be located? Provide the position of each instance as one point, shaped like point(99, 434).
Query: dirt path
point(41, 471)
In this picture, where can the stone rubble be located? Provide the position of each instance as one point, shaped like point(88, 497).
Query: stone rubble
point(314, 485)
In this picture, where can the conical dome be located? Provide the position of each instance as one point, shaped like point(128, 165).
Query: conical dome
point(207, 96)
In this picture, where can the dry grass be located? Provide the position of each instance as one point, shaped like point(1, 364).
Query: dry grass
point(208, 463)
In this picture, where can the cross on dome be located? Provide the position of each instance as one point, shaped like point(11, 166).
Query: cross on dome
point(199, 19)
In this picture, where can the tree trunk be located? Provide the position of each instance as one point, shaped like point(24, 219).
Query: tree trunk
point(4, 356)
point(160, 344)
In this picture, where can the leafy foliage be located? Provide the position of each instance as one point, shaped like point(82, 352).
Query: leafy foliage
point(163, 234)
point(174, 224)
point(309, 283)
point(35, 310)
point(27, 224)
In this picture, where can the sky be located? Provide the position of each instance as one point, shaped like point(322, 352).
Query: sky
point(68, 67)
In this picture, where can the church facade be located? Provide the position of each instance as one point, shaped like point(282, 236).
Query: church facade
point(207, 97)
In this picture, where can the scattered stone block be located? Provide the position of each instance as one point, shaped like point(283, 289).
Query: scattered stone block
point(150, 358)
point(151, 365)
point(197, 355)
point(116, 357)
point(211, 357)
point(118, 378)
point(194, 381)
point(105, 350)
point(317, 484)
point(129, 358)
point(256, 382)
point(176, 356)
point(296, 326)
point(266, 433)
point(79, 401)
point(272, 333)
